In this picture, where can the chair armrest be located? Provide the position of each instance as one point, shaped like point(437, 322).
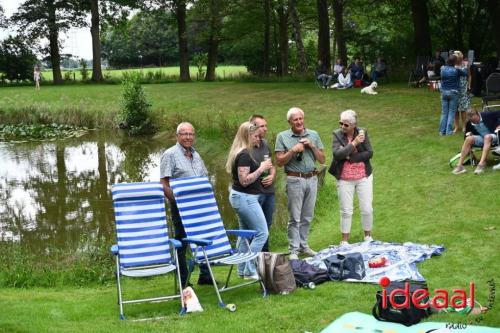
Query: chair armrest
point(242, 233)
point(198, 241)
point(175, 243)
point(114, 249)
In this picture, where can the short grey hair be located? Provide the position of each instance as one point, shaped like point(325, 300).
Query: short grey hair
point(293, 111)
point(181, 125)
point(471, 112)
point(349, 116)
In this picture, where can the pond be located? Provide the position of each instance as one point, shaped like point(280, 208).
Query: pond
point(56, 194)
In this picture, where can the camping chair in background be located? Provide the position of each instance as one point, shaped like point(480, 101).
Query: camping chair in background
point(419, 71)
point(205, 231)
point(319, 84)
point(492, 92)
point(144, 248)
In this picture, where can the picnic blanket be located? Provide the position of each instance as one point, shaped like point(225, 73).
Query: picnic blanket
point(402, 259)
point(357, 322)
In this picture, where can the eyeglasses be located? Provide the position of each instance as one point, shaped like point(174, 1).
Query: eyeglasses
point(184, 134)
point(344, 124)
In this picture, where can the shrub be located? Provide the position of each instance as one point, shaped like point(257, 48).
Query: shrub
point(84, 70)
point(135, 110)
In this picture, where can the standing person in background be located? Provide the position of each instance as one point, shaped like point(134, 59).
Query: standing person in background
point(37, 77)
point(450, 81)
point(437, 61)
point(244, 195)
point(179, 161)
point(463, 93)
point(260, 153)
point(298, 149)
point(351, 167)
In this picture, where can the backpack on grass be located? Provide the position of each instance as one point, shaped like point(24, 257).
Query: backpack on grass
point(276, 272)
point(306, 273)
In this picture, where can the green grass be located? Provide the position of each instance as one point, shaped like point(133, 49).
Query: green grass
point(222, 72)
point(416, 198)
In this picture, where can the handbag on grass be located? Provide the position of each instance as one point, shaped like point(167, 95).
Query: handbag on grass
point(345, 266)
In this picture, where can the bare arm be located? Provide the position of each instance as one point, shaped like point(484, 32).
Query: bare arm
point(246, 178)
point(165, 182)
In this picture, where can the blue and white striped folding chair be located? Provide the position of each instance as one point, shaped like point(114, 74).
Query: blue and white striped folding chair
point(143, 248)
point(205, 231)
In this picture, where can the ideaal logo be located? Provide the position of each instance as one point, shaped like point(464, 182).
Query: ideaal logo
point(421, 298)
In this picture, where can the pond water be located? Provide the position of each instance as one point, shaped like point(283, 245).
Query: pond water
point(56, 194)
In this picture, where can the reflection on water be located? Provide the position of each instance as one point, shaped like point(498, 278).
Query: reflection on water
point(56, 194)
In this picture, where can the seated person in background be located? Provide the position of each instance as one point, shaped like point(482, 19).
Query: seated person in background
point(357, 70)
point(344, 80)
point(321, 73)
point(429, 76)
point(337, 69)
point(481, 131)
point(437, 61)
point(379, 69)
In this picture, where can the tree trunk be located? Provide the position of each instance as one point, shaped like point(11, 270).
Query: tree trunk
point(338, 14)
point(267, 37)
point(213, 41)
point(96, 41)
point(283, 38)
point(420, 18)
point(276, 52)
point(478, 30)
point(494, 10)
point(180, 14)
point(55, 57)
point(459, 31)
point(301, 54)
point(323, 33)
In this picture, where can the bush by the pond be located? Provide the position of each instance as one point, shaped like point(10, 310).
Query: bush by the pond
point(39, 131)
point(135, 112)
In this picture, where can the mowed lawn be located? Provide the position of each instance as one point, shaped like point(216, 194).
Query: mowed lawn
point(416, 198)
point(221, 72)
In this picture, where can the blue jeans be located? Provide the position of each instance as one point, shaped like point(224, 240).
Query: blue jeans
point(325, 79)
point(449, 104)
point(267, 202)
point(250, 217)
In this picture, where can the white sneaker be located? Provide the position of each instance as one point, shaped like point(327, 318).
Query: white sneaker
point(308, 252)
point(479, 169)
point(496, 167)
point(368, 239)
point(293, 256)
point(251, 277)
point(344, 243)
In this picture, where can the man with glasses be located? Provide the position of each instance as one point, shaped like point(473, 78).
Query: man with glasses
point(259, 154)
point(182, 160)
point(298, 149)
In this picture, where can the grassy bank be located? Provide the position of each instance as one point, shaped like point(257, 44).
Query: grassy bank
point(416, 198)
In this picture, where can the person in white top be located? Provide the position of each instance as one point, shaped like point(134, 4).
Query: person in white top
point(36, 77)
point(344, 80)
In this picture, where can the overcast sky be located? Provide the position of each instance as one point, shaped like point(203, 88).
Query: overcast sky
point(76, 41)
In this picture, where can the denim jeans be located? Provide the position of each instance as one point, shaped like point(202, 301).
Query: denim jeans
point(325, 79)
point(179, 234)
point(301, 193)
point(250, 217)
point(267, 202)
point(449, 104)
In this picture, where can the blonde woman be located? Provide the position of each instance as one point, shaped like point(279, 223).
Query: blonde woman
point(244, 195)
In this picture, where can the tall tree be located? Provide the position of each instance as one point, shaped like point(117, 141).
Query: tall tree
point(294, 18)
point(420, 17)
point(96, 41)
point(494, 10)
point(283, 38)
point(215, 17)
point(478, 28)
point(338, 16)
point(180, 15)
point(38, 19)
point(323, 32)
point(459, 30)
point(267, 37)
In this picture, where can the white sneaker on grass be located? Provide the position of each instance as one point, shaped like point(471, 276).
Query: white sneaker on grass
point(344, 243)
point(368, 239)
point(479, 169)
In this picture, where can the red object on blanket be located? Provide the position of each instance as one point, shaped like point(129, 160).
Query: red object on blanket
point(377, 262)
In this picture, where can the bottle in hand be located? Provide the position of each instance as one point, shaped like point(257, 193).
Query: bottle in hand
point(266, 172)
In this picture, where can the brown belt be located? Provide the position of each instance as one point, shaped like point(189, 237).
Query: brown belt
point(302, 174)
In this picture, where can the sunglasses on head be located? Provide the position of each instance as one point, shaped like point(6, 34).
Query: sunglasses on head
point(344, 124)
